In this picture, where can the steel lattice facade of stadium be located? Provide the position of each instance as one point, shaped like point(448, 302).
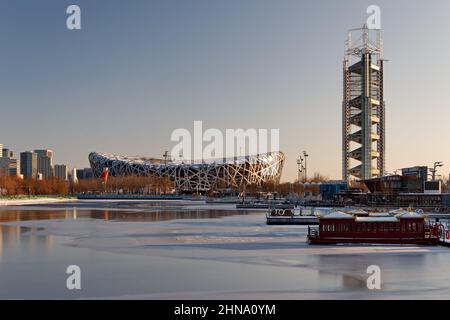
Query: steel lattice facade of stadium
point(203, 176)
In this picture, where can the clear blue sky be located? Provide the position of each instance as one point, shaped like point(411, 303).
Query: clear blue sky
point(140, 69)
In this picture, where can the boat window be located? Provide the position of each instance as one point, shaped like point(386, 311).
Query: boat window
point(410, 227)
point(328, 227)
point(419, 227)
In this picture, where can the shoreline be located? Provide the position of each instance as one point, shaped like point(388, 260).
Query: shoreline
point(31, 201)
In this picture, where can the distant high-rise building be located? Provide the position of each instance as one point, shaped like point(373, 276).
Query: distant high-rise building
point(74, 176)
point(85, 173)
point(88, 173)
point(4, 167)
point(29, 164)
point(60, 171)
point(79, 174)
point(8, 165)
point(44, 163)
point(14, 167)
point(6, 153)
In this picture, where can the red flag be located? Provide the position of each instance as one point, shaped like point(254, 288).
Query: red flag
point(105, 175)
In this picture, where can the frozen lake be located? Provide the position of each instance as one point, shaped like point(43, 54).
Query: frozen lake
point(176, 250)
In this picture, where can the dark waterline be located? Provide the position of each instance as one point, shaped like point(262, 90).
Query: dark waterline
point(9, 215)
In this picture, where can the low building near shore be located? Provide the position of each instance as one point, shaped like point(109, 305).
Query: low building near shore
point(411, 188)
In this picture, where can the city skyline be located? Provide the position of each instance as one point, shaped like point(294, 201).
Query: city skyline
point(38, 164)
point(257, 64)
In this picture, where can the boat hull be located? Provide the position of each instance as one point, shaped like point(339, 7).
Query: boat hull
point(294, 220)
point(426, 241)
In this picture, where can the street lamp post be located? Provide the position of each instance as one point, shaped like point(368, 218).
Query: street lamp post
point(436, 165)
point(166, 156)
point(300, 168)
point(305, 155)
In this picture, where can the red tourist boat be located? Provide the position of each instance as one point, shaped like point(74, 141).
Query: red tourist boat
point(397, 227)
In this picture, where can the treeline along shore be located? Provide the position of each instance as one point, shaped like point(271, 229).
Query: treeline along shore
point(11, 186)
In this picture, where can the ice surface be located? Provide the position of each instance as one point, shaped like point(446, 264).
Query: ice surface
point(241, 257)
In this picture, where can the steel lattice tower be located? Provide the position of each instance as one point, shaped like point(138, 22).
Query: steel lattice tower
point(363, 106)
